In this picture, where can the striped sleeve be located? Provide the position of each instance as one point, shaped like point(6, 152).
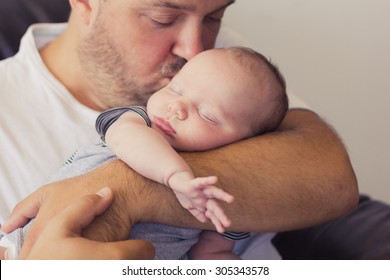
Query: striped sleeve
point(235, 235)
point(107, 118)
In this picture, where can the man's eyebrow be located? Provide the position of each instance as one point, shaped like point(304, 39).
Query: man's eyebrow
point(171, 5)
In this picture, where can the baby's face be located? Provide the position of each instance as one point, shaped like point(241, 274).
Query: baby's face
point(209, 103)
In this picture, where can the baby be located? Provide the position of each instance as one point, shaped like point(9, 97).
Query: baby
point(219, 97)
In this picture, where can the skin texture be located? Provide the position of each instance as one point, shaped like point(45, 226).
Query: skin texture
point(62, 237)
point(298, 176)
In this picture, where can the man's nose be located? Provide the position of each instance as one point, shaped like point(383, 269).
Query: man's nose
point(189, 41)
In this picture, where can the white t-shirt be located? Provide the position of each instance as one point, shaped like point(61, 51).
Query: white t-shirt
point(42, 124)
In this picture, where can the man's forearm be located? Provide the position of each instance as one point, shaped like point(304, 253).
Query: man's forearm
point(298, 176)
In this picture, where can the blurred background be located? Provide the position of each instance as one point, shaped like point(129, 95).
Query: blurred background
point(335, 54)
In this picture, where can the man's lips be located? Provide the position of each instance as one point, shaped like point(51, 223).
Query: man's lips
point(164, 126)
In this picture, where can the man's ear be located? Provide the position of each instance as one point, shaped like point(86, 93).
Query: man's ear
point(83, 9)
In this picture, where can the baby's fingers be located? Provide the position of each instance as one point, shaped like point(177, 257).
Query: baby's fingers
point(203, 182)
point(218, 226)
point(200, 216)
point(214, 192)
point(217, 216)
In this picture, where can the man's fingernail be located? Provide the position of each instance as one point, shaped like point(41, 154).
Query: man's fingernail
point(104, 192)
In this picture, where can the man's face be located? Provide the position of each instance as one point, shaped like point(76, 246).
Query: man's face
point(134, 47)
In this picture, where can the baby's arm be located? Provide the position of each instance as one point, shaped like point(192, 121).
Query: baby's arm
point(147, 152)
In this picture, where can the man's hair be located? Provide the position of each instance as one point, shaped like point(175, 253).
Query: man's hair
point(273, 85)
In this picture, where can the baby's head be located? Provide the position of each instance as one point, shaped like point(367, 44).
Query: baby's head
point(220, 96)
point(268, 98)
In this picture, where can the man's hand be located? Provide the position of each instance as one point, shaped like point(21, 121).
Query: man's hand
point(44, 204)
point(62, 237)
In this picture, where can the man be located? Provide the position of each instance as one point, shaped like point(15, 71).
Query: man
point(117, 53)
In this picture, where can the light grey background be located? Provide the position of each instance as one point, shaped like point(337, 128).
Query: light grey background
point(335, 54)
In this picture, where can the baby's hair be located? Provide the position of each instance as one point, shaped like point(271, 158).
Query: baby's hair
point(273, 84)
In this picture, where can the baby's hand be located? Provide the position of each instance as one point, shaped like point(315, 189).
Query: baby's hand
point(199, 196)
